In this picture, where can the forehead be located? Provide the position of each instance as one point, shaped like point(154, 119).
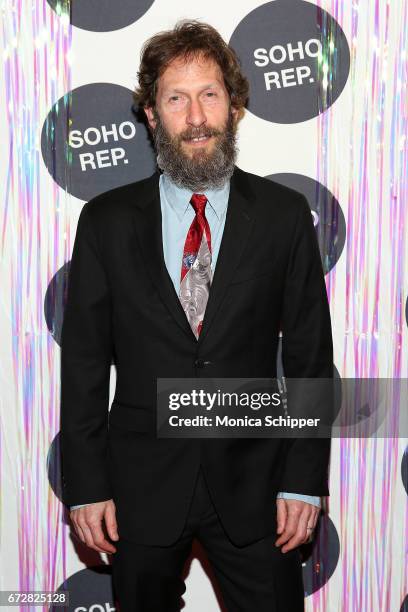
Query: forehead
point(191, 71)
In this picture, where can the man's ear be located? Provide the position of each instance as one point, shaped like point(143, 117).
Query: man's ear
point(237, 113)
point(150, 116)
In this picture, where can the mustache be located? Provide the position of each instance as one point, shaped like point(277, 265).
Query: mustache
point(204, 131)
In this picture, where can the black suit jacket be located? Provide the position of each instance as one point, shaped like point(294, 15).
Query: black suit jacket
point(122, 304)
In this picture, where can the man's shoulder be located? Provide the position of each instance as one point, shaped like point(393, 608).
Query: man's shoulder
point(263, 185)
point(121, 200)
point(269, 192)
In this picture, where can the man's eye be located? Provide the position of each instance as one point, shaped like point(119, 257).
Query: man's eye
point(210, 93)
point(174, 98)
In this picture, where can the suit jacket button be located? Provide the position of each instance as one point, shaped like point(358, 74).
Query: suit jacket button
point(199, 363)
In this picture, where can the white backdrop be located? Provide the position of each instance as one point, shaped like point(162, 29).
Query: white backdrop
point(356, 148)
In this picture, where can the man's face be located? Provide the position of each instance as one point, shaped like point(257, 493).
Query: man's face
point(193, 105)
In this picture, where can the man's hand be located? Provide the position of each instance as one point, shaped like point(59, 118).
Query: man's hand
point(88, 525)
point(293, 518)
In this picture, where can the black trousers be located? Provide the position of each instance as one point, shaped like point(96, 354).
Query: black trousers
point(255, 577)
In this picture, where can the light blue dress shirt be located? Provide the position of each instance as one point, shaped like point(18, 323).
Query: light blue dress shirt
point(177, 216)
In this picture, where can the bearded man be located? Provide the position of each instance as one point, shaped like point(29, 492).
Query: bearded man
point(192, 273)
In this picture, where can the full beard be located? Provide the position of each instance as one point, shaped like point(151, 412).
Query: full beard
point(202, 170)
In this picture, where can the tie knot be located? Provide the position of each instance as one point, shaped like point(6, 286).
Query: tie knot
point(198, 200)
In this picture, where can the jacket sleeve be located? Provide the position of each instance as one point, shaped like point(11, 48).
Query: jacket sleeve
point(86, 353)
point(307, 350)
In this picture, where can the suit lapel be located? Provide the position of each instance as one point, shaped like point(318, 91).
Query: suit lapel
point(148, 225)
point(238, 223)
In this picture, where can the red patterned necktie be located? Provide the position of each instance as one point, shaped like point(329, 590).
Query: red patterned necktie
point(196, 273)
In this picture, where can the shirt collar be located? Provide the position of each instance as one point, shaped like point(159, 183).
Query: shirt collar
point(179, 197)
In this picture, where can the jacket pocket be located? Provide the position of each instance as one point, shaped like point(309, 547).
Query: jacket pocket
point(244, 273)
point(243, 278)
point(132, 418)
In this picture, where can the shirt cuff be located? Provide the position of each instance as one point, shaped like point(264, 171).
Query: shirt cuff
point(78, 506)
point(309, 499)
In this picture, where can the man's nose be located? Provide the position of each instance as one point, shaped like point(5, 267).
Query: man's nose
point(195, 114)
